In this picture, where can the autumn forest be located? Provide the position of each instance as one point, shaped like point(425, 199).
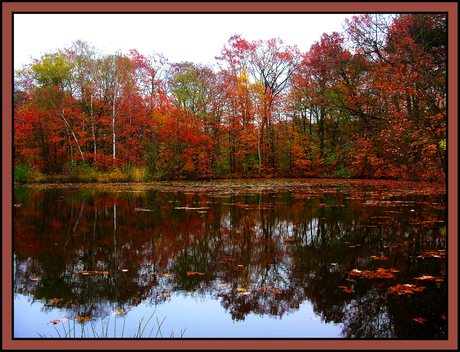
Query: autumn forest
point(366, 103)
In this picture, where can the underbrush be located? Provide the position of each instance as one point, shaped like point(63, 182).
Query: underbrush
point(73, 173)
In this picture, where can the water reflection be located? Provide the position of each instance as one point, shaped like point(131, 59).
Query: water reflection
point(91, 251)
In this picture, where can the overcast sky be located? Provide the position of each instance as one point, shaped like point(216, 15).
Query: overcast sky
point(179, 37)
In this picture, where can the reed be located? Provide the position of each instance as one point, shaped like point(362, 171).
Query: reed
point(90, 332)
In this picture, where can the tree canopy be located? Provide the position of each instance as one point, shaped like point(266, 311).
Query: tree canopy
point(370, 102)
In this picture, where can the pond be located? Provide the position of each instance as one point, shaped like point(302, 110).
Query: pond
point(243, 259)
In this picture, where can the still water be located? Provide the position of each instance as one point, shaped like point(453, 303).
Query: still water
point(342, 259)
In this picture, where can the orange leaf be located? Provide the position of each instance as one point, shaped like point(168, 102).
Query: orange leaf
point(420, 320)
point(82, 319)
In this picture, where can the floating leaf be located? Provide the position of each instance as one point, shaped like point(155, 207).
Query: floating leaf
point(194, 273)
point(379, 258)
point(82, 319)
point(429, 277)
point(143, 209)
point(56, 300)
point(120, 311)
point(245, 293)
point(379, 274)
point(188, 208)
point(402, 289)
point(420, 320)
point(92, 272)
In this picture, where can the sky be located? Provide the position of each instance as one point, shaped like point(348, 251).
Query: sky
point(179, 37)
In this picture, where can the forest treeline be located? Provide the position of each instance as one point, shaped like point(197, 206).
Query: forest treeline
point(369, 102)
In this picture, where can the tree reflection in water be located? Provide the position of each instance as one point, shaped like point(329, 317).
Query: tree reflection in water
point(258, 250)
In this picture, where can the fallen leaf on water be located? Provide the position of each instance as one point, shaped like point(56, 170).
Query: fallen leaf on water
point(429, 277)
point(420, 320)
point(91, 272)
point(421, 288)
point(82, 319)
point(378, 274)
point(194, 273)
point(143, 209)
point(245, 293)
point(402, 289)
point(120, 311)
point(379, 258)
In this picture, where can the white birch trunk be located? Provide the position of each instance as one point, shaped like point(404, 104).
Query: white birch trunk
point(113, 126)
point(94, 132)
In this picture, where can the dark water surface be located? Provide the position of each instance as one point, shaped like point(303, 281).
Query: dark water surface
point(310, 259)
